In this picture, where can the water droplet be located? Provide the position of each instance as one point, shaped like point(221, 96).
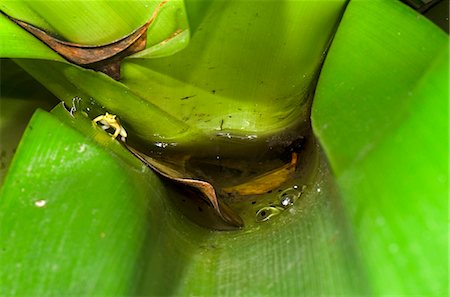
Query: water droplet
point(161, 144)
point(82, 148)
point(40, 203)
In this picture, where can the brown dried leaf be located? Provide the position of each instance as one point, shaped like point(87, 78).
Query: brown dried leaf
point(267, 181)
point(105, 58)
point(206, 189)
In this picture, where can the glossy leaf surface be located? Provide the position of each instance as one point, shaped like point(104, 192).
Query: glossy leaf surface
point(79, 218)
point(381, 114)
point(80, 200)
point(256, 85)
point(361, 232)
point(91, 23)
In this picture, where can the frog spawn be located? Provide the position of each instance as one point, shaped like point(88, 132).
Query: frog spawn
point(285, 200)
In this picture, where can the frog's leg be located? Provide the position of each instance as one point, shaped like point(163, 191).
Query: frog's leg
point(123, 134)
point(117, 129)
point(98, 119)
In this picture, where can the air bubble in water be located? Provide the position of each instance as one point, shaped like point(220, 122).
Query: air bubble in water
point(289, 196)
point(286, 201)
point(266, 213)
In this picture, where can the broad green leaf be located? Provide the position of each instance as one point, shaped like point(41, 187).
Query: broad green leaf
point(240, 68)
point(81, 219)
point(149, 120)
point(17, 105)
point(383, 234)
point(257, 85)
point(381, 114)
point(17, 43)
point(103, 224)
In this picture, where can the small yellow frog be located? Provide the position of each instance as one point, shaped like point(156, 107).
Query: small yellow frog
point(111, 121)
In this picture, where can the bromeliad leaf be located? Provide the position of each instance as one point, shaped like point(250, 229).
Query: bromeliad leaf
point(150, 97)
point(77, 118)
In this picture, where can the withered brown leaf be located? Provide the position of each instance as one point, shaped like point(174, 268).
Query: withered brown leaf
point(105, 58)
point(204, 188)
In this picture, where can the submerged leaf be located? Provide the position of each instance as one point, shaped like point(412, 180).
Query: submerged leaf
point(267, 181)
point(105, 58)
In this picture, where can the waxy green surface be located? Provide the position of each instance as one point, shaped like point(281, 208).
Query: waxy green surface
point(377, 225)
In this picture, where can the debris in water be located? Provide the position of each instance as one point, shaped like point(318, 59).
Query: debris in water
point(206, 190)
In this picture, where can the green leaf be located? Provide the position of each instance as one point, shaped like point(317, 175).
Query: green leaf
point(141, 118)
point(93, 23)
point(103, 224)
point(70, 206)
point(379, 106)
point(17, 105)
point(257, 85)
point(381, 114)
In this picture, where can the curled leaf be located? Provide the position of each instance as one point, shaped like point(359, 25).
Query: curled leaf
point(105, 58)
point(206, 190)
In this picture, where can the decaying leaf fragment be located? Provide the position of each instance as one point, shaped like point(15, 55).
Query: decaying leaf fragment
point(206, 189)
point(105, 58)
point(267, 181)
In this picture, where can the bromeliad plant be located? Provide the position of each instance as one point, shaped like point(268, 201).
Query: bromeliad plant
point(80, 215)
